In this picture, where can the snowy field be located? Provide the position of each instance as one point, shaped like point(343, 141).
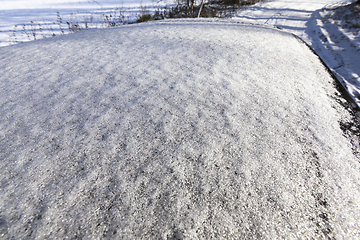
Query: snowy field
point(330, 27)
point(26, 20)
point(173, 130)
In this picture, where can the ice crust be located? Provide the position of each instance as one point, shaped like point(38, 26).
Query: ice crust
point(174, 129)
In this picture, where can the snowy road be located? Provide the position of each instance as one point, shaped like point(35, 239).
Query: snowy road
point(173, 130)
point(290, 15)
point(310, 21)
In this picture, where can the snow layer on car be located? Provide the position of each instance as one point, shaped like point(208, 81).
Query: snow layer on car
point(193, 130)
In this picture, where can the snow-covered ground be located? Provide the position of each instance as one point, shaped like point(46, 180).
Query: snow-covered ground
point(331, 28)
point(203, 129)
point(26, 20)
point(328, 26)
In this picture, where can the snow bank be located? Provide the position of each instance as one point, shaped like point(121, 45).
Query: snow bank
point(193, 130)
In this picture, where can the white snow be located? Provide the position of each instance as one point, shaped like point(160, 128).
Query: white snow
point(19, 20)
point(318, 23)
point(186, 129)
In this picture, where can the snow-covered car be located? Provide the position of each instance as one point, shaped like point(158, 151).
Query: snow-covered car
point(183, 129)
